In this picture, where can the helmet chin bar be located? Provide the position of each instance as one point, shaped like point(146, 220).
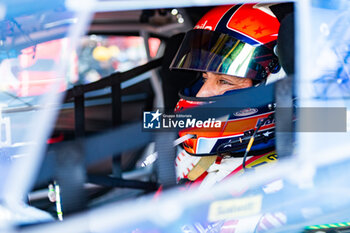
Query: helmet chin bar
point(260, 137)
point(245, 141)
point(233, 144)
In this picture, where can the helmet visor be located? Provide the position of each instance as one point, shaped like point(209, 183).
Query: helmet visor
point(211, 51)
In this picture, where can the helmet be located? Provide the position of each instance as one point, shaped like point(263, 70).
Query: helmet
point(237, 40)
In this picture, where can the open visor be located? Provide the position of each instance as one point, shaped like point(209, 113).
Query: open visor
point(211, 51)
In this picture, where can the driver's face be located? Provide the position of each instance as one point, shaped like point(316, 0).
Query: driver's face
point(218, 84)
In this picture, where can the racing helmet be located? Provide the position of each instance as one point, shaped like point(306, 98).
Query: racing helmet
point(237, 40)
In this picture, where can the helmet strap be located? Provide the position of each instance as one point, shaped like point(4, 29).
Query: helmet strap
point(202, 166)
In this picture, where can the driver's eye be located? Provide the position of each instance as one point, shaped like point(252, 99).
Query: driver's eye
point(222, 81)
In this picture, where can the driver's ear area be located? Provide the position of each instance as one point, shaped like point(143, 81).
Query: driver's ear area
point(173, 80)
